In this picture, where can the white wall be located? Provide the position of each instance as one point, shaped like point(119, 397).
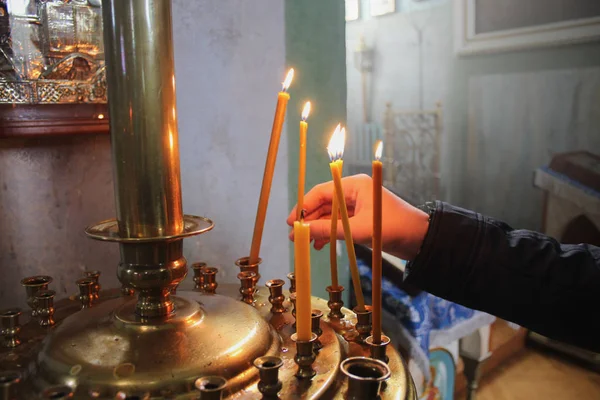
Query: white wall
point(229, 59)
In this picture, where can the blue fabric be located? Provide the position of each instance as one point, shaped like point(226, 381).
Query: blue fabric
point(419, 315)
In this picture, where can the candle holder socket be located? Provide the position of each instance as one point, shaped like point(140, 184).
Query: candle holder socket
point(315, 320)
point(61, 392)
point(10, 327)
point(86, 292)
point(363, 323)
point(305, 356)
point(198, 277)
point(276, 297)
point(378, 351)
point(247, 287)
point(34, 284)
point(335, 302)
point(245, 265)
point(292, 277)
point(95, 276)
point(45, 303)
point(209, 280)
point(268, 370)
point(293, 301)
point(211, 387)
point(8, 382)
point(365, 377)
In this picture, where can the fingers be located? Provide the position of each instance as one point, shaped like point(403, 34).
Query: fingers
point(320, 195)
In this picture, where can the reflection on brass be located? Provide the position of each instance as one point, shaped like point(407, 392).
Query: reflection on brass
point(95, 276)
point(335, 302)
point(292, 277)
point(315, 320)
point(198, 277)
point(365, 376)
point(34, 284)
point(9, 380)
point(378, 351)
point(268, 370)
point(247, 287)
point(211, 387)
point(127, 291)
point(363, 323)
point(86, 292)
point(244, 265)
point(45, 304)
point(293, 301)
point(276, 297)
point(209, 279)
point(10, 327)
point(62, 392)
point(305, 357)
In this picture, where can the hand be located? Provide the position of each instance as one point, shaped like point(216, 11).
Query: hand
point(403, 228)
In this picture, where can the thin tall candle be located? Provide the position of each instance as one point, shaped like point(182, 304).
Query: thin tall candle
point(261, 212)
point(333, 233)
point(376, 244)
point(302, 159)
point(336, 151)
point(302, 263)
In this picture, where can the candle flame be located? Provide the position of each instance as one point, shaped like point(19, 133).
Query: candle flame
point(288, 80)
point(306, 111)
point(378, 150)
point(335, 149)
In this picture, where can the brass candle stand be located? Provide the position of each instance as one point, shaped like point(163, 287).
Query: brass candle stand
point(268, 369)
point(305, 357)
point(198, 277)
point(315, 320)
point(378, 351)
point(292, 277)
point(139, 340)
point(365, 377)
point(276, 297)
point(247, 287)
point(335, 302)
point(363, 322)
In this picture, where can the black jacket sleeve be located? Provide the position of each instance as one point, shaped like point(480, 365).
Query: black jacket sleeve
point(518, 275)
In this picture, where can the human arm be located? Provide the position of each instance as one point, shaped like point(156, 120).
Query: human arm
point(464, 257)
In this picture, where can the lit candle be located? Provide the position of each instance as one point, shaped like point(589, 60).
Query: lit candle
point(376, 260)
point(336, 151)
point(261, 212)
point(302, 263)
point(333, 233)
point(302, 160)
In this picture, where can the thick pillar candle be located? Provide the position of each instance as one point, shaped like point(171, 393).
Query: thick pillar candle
point(376, 244)
point(333, 233)
point(265, 191)
point(336, 151)
point(302, 263)
point(302, 160)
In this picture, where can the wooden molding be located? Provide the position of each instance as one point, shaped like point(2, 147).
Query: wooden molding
point(24, 120)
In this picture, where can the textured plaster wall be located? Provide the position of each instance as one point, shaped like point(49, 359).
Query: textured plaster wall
point(504, 114)
point(230, 59)
point(50, 190)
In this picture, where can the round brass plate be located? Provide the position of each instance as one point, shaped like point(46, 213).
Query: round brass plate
point(109, 230)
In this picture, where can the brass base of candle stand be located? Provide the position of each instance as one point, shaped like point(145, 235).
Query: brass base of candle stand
point(107, 349)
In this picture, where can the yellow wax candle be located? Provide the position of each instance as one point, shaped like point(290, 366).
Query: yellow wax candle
point(302, 159)
point(376, 260)
point(302, 263)
point(261, 212)
point(336, 151)
point(333, 233)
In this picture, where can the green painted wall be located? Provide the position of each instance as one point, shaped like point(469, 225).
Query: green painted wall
point(315, 47)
